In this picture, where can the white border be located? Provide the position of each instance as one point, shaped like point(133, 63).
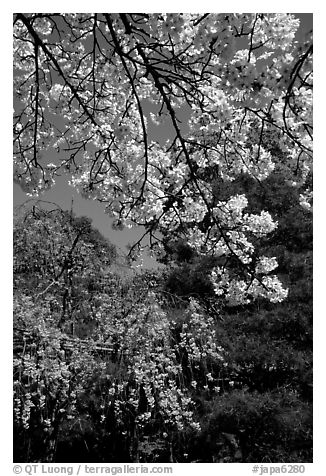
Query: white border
point(319, 10)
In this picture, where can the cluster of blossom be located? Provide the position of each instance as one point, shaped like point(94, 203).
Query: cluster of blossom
point(43, 386)
point(306, 199)
point(57, 91)
point(266, 264)
point(198, 337)
point(238, 291)
point(237, 223)
point(232, 156)
point(145, 339)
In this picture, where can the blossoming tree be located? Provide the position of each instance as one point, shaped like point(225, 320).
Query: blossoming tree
point(91, 346)
point(82, 82)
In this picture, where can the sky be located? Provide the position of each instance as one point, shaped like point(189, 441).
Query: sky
point(66, 196)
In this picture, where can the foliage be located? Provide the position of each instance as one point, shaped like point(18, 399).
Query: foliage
point(250, 427)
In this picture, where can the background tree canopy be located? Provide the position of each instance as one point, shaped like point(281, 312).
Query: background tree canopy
point(209, 358)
